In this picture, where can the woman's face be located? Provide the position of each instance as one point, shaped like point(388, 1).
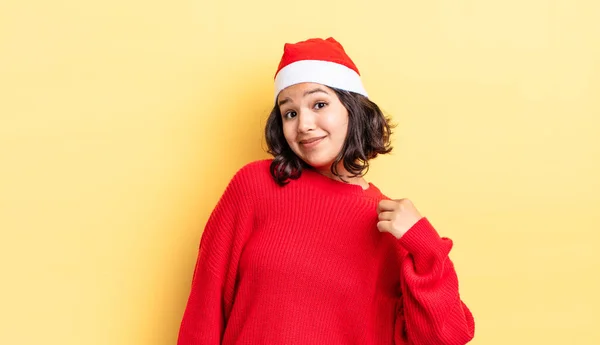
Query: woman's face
point(315, 123)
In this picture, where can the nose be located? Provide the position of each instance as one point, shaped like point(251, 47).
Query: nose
point(306, 121)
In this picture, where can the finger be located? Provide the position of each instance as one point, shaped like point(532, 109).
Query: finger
point(386, 205)
point(384, 226)
point(386, 215)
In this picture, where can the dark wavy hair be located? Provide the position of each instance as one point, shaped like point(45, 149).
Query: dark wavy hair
point(368, 135)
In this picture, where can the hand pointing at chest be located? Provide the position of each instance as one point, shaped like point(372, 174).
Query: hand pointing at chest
point(397, 216)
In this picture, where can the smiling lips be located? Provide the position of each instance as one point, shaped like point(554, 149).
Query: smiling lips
point(310, 142)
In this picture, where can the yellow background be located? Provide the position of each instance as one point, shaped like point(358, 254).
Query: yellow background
point(121, 123)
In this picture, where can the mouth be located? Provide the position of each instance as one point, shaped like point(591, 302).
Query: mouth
point(311, 142)
point(308, 141)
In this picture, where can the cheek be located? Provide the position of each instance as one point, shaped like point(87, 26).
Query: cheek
point(288, 133)
point(336, 124)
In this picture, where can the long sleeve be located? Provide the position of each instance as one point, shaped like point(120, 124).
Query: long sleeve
point(430, 311)
point(212, 289)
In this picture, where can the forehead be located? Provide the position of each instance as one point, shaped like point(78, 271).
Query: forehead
point(298, 91)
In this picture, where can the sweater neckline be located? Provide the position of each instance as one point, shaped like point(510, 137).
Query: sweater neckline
point(326, 183)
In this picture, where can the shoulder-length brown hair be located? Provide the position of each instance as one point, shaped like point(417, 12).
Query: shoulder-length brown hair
point(368, 136)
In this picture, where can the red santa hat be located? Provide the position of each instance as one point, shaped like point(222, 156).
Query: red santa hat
point(318, 61)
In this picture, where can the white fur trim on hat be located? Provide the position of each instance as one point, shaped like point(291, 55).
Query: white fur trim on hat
point(322, 72)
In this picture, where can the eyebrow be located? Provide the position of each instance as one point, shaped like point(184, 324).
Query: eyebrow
point(309, 92)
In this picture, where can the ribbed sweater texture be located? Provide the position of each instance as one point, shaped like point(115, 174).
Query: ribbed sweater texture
point(306, 264)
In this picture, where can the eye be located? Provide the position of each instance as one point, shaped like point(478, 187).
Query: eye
point(290, 114)
point(320, 105)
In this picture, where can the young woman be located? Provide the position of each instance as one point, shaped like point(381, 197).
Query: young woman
point(301, 249)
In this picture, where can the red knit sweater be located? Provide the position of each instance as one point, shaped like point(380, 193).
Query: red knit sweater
point(305, 264)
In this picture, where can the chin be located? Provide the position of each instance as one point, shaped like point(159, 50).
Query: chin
point(318, 159)
point(319, 163)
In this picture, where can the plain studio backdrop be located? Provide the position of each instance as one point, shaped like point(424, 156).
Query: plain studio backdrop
point(121, 122)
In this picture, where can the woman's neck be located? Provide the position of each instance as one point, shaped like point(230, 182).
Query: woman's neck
point(357, 180)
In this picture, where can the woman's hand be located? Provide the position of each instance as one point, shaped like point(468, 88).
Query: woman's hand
point(397, 216)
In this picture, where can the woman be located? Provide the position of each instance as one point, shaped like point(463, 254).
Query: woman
point(301, 249)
